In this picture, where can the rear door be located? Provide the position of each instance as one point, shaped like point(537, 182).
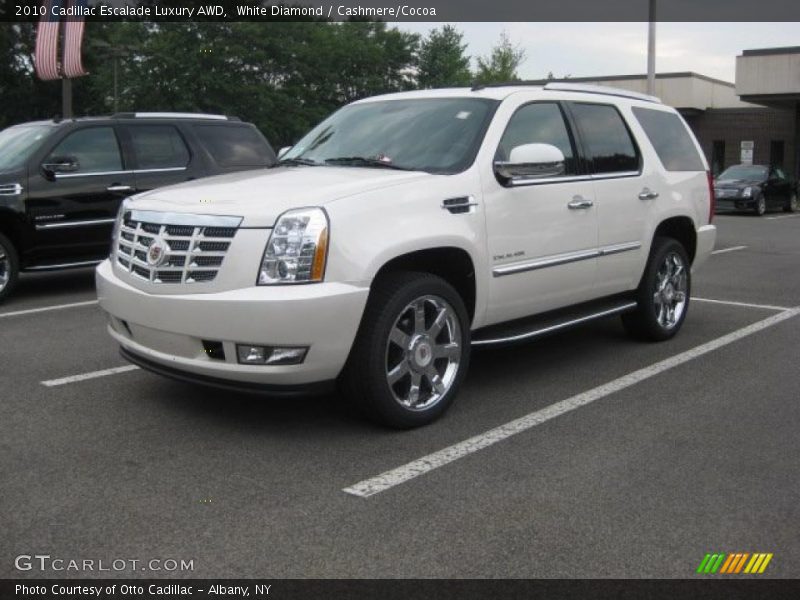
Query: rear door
point(73, 210)
point(161, 155)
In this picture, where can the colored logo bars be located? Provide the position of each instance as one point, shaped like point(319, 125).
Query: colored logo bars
point(734, 563)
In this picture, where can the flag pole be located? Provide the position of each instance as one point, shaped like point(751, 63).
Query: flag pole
point(66, 98)
point(651, 50)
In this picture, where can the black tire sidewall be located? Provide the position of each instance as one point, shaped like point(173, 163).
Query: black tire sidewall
point(390, 296)
point(13, 266)
point(760, 200)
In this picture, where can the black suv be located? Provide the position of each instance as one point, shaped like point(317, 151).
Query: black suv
point(61, 182)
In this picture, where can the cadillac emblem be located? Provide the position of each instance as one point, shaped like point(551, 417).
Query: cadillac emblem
point(157, 252)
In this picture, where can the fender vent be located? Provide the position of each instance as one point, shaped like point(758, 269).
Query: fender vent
point(10, 189)
point(460, 205)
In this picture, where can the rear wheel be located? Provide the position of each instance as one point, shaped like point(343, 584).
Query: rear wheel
point(411, 352)
point(9, 267)
point(791, 205)
point(663, 293)
point(760, 207)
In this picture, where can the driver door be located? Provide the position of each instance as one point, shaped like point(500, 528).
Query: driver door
point(542, 232)
point(74, 195)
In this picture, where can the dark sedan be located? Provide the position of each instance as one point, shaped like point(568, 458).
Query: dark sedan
point(756, 188)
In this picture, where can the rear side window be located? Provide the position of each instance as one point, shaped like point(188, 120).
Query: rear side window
point(159, 147)
point(235, 145)
point(607, 141)
point(670, 138)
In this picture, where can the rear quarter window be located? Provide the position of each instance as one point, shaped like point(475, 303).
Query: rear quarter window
point(670, 138)
point(235, 145)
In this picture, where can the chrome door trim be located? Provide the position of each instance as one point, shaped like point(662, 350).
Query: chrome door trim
point(65, 224)
point(545, 330)
point(563, 259)
point(543, 263)
point(85, 263)
point(188, 219)
point(620, 175)
point(125, 172)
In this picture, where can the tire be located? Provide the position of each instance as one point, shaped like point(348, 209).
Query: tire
point(791, 205)
point(9, 267)
point(662, 298)
point(760, 207)
point(395, 351)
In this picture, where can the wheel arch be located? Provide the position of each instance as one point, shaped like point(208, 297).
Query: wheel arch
point(682, 229)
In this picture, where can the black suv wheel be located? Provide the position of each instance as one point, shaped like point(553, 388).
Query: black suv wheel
point(411, 352)
point(9, 267)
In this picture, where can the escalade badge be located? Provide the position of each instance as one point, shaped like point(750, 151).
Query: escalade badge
point(157, 252)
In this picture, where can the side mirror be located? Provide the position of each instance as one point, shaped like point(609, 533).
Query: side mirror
point(530, 162)
point(59, 164)
point(283, 151)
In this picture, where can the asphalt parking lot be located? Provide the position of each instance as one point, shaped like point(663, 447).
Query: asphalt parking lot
point(631, 459)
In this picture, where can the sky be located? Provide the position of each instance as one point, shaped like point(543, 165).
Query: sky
point(596, 49)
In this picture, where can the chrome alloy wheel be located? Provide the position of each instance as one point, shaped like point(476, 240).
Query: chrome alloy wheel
point(670, 295)
point(423, 353)
point(5, 268)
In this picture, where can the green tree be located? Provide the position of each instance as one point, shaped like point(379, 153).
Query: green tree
point(502, 63)
point(442, 61)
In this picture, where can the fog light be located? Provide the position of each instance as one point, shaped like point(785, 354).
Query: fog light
point(252, 355)
point(268, 355)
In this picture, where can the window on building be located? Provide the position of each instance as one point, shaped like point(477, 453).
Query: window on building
point(717, 157)
point(776, 153)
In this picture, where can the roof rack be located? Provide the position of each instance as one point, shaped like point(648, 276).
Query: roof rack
point(599, 89)
point(172, 115)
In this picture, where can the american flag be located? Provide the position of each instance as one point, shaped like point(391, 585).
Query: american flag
point(46, 55)
point(73, 39)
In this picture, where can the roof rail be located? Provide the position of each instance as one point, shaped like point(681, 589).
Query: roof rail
point(599, 89)
point(171, 115)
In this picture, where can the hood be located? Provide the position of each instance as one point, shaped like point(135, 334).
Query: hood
point(261, 196)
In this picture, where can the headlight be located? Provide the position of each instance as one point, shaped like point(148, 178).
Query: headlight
point(747, 192)
point(123, 206)
point(297, 249)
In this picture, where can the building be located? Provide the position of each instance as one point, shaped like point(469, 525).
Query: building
point(756, 119)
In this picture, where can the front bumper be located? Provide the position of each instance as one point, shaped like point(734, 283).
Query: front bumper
point(166, 332)
point(706, 238)
point(733, 204)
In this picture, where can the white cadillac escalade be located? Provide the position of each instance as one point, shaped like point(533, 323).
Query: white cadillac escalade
point(404, 230)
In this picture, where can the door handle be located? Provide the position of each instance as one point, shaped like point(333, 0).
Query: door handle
point(648, 194)
point(118, 188)
point(579, 202)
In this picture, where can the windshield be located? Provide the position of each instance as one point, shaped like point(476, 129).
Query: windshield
point(747, 172)
point(440, 135)
point(18, 143)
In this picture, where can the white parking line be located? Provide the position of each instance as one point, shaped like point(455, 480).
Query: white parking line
point(731, 249)
point(421, 466)
point(31, 311)
point(782, 217)
point(92, 375)
point(743, 304)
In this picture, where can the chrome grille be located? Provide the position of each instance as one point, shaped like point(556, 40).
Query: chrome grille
point(194, 251)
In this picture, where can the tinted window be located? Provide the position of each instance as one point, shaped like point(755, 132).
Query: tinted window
point(235, 145)
point(608, 143)
point(427, 134)
point(18, 143)
point(671, 140)
point(158, 147)
point(539, 123)
point(95, 149)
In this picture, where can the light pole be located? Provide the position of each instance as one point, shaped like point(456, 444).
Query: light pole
point(651, 49)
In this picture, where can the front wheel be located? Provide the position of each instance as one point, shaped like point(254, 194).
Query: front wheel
point(760, 207)
point(663, 294)
point(411, 352)
point(791, 205)
point(9, 267)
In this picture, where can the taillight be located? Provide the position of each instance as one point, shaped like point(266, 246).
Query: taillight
point(712, 197)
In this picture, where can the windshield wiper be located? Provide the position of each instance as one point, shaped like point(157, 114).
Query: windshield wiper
point(298, 161)
point(363, 161)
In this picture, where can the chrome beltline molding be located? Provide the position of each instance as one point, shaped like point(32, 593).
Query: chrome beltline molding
point(562, 259)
